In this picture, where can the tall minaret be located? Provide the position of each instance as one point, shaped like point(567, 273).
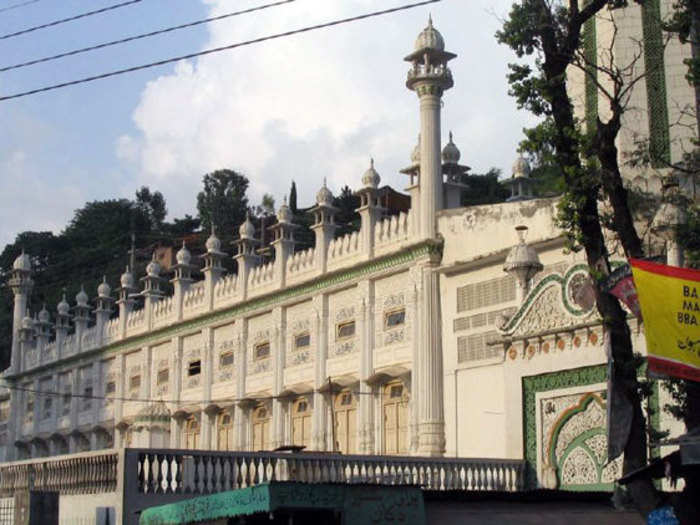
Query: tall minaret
point(429, 78)
point(21, 284)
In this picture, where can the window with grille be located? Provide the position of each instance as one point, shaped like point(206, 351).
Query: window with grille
point(485, 293)
point(395, 318)
point(225, 359)
point(135, 382)
point(262, 350)
point(396, 391)
point(163, 376)
point(67, 397)
point(87, 398)
point(475, 347)
point(345, 330)
point(194, 368)
point(302, 341)
point(110, 387)
point(48, 407)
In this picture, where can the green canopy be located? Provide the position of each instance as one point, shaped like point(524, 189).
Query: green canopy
point(360, 504)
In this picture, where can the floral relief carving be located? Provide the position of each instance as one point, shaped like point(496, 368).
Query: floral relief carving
point(344, 348)
point(345, 313)
point(395, 336)
point(392, 301)
point(261, 366)
point(301, 326)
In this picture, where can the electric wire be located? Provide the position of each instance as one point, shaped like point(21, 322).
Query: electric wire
point(218, 49)
point(18, 5)
point(69, 19)
point(142, 35)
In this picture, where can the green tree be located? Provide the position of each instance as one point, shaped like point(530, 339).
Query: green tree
point(223, 202)
point(152, 205)
point(347, 219)
point(552, 31)
point(484, 188)
point(293, 198)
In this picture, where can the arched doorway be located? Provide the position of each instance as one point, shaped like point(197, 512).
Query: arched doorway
point(224, 428)
point(345, 407)
point(262, 420)
point(301, 422)
point(192, 431)
point(395, 418)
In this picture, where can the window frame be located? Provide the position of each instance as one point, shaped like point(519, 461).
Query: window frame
point(394, 311)
point(339, 327)
point(257, 347)
point(307, 335)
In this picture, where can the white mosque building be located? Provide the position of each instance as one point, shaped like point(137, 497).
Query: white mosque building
point(446, 331)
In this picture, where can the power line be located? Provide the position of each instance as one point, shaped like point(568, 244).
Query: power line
point(143, 35)
point(217, 49)
point(17, 6)
point(69, 19)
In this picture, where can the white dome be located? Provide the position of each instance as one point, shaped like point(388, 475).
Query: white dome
point(415, 156)
point(104, 290)
point(371, 178)
point(44, 316)
point(63, 308)
point(153, 268)
point(324, 195)
point(522, 258)
point(27, 322)
point(23, 263)
point(183, 255)
point(247, 229)
point(450, 153)
point(127, 279)
point(81, 298)
point(213, 243)
point(430, 38)
point(521, 167)
point(284, 214)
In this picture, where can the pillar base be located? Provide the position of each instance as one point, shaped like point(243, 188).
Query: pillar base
point(431, 439)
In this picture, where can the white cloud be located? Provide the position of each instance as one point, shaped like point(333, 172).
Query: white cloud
point(319, 104)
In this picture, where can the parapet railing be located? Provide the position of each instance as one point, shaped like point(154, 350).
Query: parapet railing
point(82, 473)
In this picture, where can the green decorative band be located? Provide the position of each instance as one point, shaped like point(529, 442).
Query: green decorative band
point(545, 283)
point(657, 109)
point(431, 248)
point(589, 375)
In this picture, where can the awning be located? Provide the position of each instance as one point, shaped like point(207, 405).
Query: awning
point(360, 504)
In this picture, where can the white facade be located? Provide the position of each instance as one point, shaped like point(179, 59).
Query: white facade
point(405, 338)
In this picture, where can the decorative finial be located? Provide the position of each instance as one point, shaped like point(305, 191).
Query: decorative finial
point(285, 200)
point(213, 228)
point(104, 279)
point(371, 162)
point(450, 136)
point(324, 182)
point(430, 20)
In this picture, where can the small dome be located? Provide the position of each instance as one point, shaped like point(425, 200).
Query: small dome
point(324, 195)
point(522, 258)
point(104, 290)
point(22, 263)
point(27, 322)
point(44, 316)
point(153, 268)
point(127, 279)
point(81, 298)
point(183, 255)
point(247, 229)
point(213, 243)
point(63, 307)
point(371, 178)
point(521, 168)
point(450, 153)
point(284, 214)
point(415, 156)
point(667, 219)
point(430, 38)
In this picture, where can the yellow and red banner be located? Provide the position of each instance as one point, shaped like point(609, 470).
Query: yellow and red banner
point(670, 302)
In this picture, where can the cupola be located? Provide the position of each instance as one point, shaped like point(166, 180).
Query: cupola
point(522, 261)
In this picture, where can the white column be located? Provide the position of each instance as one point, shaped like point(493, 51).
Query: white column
point(431, 192)
point(240, 419)
point(20, 309)
point(365, 327)
point(278, 318)
point(321, 402)
point(431, 418)
point(414, 314)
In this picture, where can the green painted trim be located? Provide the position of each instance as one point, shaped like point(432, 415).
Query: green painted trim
point(580, 441)
point(590, 51)
point(426, 248)
point(657, 109)
point(545, 283)
point(557, 428)
point(532, 385)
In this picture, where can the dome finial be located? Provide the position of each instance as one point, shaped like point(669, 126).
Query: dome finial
point(521, 230)
point(450, 136)
point(430, 19)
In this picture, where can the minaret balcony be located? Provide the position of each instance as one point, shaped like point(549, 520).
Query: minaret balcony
point(435, 75)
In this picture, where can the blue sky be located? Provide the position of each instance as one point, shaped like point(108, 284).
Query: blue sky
point(307, 107)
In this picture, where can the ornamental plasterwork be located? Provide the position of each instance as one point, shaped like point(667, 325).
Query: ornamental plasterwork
point(556, 303)
point(395, 336)
point(344, 348)
point(260, 366)
point(260, 336)
point(394, 301)
point(345, 314)
point(301, 326)
point(299, 358)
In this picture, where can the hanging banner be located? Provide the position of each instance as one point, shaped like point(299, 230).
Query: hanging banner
point(621, 285)
point(669, 298)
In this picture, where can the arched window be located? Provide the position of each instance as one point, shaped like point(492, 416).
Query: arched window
point(301, 422)
point(224, 427)
point(395, 412)
point(192, 433)
point(345, 407)
point(261, 428)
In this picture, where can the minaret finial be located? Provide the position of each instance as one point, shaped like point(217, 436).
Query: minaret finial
point(371, 162)
point(430, 19)
point(324, 182)
point(450, 136)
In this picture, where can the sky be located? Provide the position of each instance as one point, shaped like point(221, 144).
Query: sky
point(304, 108)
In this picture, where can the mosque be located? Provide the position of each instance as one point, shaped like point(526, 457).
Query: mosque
point(442, 332)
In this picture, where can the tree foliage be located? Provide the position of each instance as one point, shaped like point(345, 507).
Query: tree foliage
point(223, 202)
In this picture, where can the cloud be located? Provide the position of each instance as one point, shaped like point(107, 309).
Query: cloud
point(319, 104)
